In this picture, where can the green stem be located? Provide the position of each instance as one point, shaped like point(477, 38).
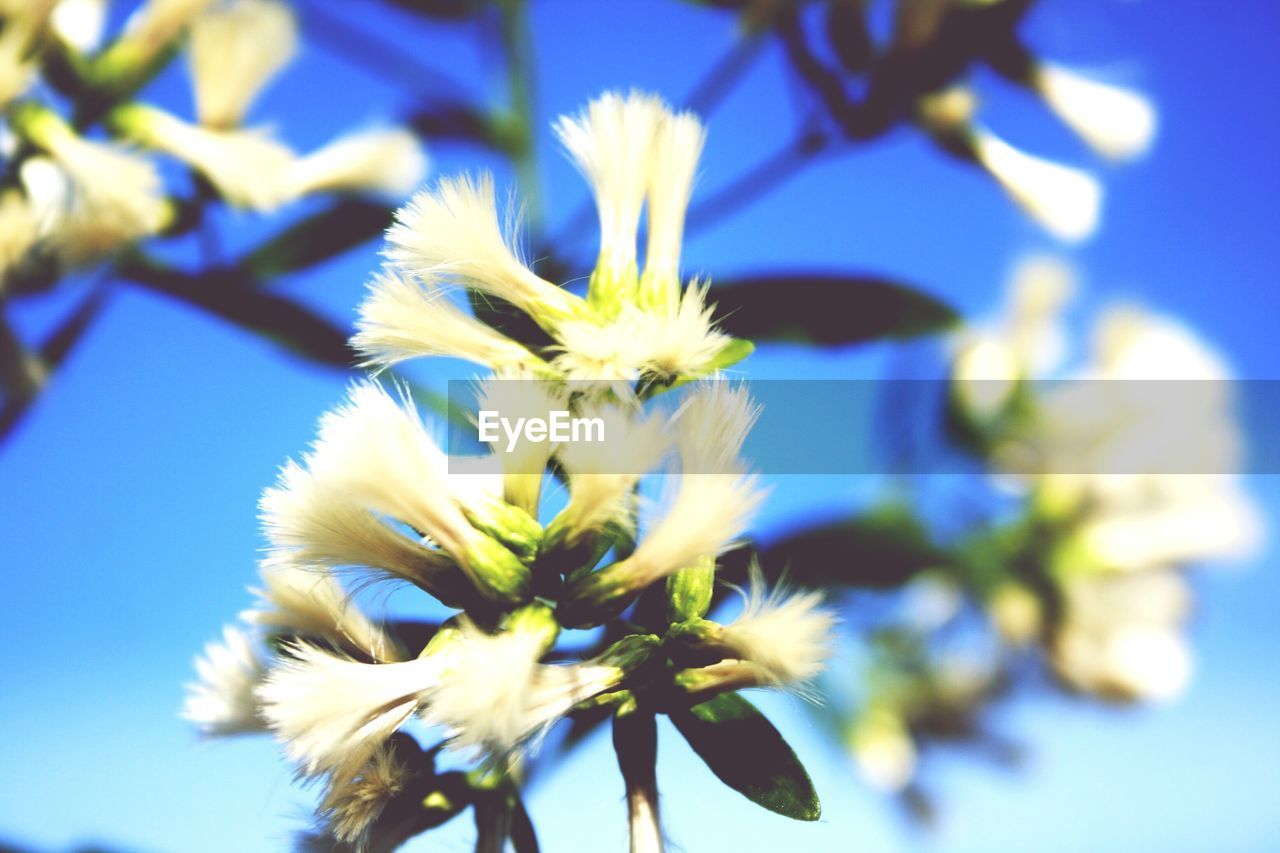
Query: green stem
point(518, 48)
point(635, 740)
point(21, 373)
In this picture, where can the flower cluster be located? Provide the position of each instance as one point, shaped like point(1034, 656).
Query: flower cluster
point(1111, 479)
point(377, 499)
point(77, 197)
point(1129, 467)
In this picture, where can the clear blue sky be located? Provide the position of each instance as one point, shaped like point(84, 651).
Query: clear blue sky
point(127, 500)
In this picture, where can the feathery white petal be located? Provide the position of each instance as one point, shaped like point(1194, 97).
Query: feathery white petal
point(680, 339)
point(483, 698)
point(19, 229)
point(677, 147)
point(79, 23)
point(452, 230)
point(379, 453)
point(235, 50)
point(222, 701)
point(1065, 201)
point(389, 161)
point(350, 809)
point(157, 22)
point(332, 714)
point(1115, 122)
point(612, 143)
point(98, 198)
point(602, 474)
point(246, 166)
point(709, 513)
point(712, 425)
point(786, 636)
point(313, 525)
point(402, 319)
point(312, 603)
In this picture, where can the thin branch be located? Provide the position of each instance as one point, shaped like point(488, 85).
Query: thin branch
point(517, 48)
point(371, 53)
point(759, 180)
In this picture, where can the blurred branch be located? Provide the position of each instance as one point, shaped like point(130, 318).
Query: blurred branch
point(517, 48)
point(377, 55)
point(50, 356)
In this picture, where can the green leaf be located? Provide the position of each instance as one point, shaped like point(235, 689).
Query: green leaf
point(458, 120)
point(446, 10)
point(749, 755)
point(240, 299)
point(826, 309)
point(882, 548)
point(329, 233)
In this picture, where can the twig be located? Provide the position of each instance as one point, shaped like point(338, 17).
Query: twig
point(369, 52)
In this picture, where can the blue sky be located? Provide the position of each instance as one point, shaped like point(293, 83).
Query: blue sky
point(127, 499)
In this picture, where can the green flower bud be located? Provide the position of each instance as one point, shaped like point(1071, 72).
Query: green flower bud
point(497, 573)
point(595, 598)
point(508, 524)
point(689, 590)
point(536, 619)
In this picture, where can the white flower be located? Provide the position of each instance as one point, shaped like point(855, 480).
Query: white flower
point(19, 229)
point(153, 25)
point(708, 514)
point(680, 338)
point(380, 160)
point(312, 603)
point(79, 23)
point(1120, 637)
point(379, 453)
point(92, 198)
point(1115, 122)
point(452, 231)
point(236, 48)
point(18, 64)
point(402, 319)
point(612, 143)
point(350, 809)
point(1027, 341)
point(222, 701)
point(332, 714)
point(602, 474)
point(1065, 201)
point(712, 426)
point(786, 637)
point(248, 168)
point(483, 700)
point(606, 352)
point(316, 526)
point(524, 464)
point(884, 751)
point(677, 147)
point(498, 711)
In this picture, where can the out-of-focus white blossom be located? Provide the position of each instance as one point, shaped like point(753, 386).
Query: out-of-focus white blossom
point(222, 701)
point(1065, 201)
point(247, 167)
point(235, 49)
point(312, 604)
point(389, 161)
point(1116, 122)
